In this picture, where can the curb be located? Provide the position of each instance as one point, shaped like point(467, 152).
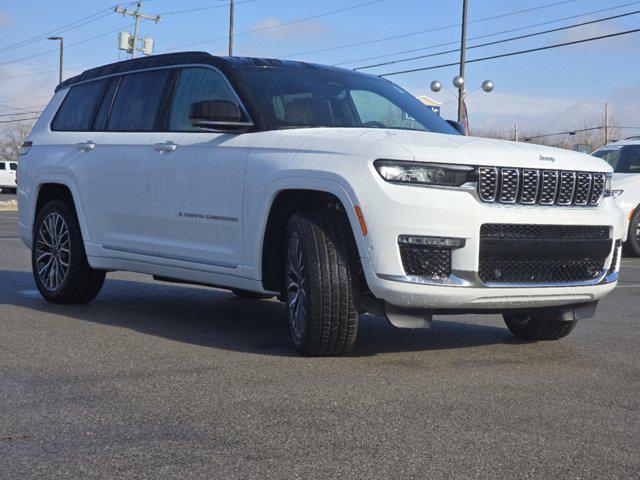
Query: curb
point(9, 206)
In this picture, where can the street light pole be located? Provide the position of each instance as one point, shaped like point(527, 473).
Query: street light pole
point(463, 48)
point(61, 53)
point(231, 28)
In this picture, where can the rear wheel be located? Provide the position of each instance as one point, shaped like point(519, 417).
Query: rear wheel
point(633, 240)
point(247, 295)
point(320, 288)
point(526, 326)
point(60, 268)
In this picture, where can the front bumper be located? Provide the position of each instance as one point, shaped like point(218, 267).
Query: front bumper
point(456, 213)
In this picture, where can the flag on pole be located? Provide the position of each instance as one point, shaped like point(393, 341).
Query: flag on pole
point(465, 117)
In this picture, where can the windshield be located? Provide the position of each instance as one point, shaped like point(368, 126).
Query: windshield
point(623, 159)
point(308, 97)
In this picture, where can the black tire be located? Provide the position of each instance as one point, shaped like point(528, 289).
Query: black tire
point(528, 327)
point(80, 283)
point(632, 245)
point(13, 190)
point(325, 321)
point(247, 295)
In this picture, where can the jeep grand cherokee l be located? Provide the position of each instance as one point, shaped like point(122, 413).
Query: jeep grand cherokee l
point(336, 191)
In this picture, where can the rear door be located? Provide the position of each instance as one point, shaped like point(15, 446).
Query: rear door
point(116, 185)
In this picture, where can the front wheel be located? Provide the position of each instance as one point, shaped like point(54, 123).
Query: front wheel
point(633, 240)
point(320, 288)
point(526, 326)
point(60, 268)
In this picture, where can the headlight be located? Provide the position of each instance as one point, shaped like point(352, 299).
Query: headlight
point(607, 186)
point(436, 174)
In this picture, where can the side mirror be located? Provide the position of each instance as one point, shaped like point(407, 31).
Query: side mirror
point(458, 126)
point(218, 115)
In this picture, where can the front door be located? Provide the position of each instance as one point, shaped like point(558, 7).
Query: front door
point(196, 180)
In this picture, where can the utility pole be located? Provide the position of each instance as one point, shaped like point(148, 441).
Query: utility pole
point(606, 122)
point(137, 14)
point(463, 49)
point(231, 28)
point(515, 132)
point(61, 40)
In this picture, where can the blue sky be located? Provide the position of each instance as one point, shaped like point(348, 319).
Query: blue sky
point(556, 89)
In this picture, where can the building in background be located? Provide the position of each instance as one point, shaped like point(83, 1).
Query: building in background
point(431, 103)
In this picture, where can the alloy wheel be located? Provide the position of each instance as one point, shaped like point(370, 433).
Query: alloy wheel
point(296, 286)
point(53, 253)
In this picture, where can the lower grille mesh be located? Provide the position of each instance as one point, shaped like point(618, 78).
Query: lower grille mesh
point(540, 270)
point(426, 261)
point(531, 254)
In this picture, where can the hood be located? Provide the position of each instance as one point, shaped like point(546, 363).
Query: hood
point(438, 147)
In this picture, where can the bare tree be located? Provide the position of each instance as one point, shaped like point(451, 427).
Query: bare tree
point(12, 138)
point(588, 132)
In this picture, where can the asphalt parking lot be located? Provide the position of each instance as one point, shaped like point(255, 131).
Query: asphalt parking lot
point(160, 381)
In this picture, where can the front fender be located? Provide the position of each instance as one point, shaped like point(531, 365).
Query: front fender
point(256, 230)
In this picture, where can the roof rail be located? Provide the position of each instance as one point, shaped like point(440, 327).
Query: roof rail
point(633, 137)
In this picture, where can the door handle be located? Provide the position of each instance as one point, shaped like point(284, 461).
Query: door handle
point(166, 147)
point(87, 146)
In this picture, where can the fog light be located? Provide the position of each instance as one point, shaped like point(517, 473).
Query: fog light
point(432, 241)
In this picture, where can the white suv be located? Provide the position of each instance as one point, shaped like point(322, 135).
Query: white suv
point(8, 176)
point(336, 191)
point(624, 158)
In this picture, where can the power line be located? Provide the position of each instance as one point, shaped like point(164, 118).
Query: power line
point(199, 9)
point(65, 28)
point(19, 120)
point(511, 30)
point(504, 40)
point(283, 24)
point(435, 29)
point(519, 52)
point(67, 46)
point(19, 113)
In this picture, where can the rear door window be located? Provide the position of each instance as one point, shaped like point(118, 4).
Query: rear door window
point(77, 109)
point(138, 102)
point(2, 166)
point(100, 122)
point(196, 84)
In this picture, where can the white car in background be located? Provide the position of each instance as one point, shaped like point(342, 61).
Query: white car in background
point(8, 176)
point(624, 158)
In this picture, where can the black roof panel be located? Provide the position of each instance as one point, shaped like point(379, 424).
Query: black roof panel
point(168, 59)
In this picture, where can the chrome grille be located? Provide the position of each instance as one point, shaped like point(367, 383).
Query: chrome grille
point(509, 181)
point(541, 187)
point(487, 183)
point(549, 187)
point(530, 186)
point(567, 188)
point(583, 186)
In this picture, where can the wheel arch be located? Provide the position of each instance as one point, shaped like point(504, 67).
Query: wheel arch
point(58, 188)
point(286, 201)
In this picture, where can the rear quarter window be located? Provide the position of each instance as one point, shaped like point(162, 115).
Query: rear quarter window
point(78, 106)
point(13, 166)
